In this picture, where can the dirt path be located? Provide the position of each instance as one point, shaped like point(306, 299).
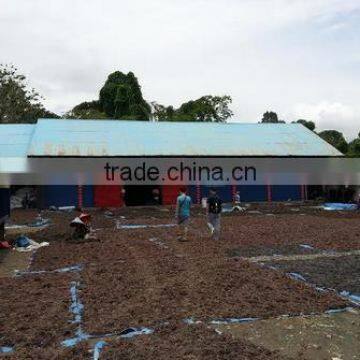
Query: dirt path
point(334, 336)
point(11, 260)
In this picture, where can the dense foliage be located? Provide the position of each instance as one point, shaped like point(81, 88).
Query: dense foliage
point(86, 110)
point(309, 124)
point(270, 117)
point(206, 109)
point(336, 139)
point(121, 98)
point(18, 102)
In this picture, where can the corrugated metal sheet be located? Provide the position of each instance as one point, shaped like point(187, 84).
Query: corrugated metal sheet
point(15, 139)
point(139, 138)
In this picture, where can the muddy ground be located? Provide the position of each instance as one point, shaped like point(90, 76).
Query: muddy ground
point(320, 337)
point(145, 277)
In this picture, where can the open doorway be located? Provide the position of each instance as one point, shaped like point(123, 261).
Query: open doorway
point(142, 195)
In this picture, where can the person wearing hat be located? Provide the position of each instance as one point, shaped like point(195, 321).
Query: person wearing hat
point(81, 225)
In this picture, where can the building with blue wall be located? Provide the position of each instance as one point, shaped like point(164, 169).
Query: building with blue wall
point(60, 138)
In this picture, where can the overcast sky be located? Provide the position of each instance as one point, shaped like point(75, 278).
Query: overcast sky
point(300, 58)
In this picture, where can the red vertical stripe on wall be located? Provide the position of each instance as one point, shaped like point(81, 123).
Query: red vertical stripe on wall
point(233, 191)
point(269, 194)
point(108, 196)
point(80, 196)
point(198, 194)
point(169, 194)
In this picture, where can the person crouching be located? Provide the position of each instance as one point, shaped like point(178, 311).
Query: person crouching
point(81, 226)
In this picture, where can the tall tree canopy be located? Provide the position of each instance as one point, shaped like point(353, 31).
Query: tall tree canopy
point(121, 98)
point(86, 110)
point(206, 109)
point(336, 139)
point(354, 148)
point(18, 102)
point(270, 117)
point(309, 124)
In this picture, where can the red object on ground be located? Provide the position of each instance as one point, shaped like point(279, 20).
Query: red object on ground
point(170, 193)
point(4, 245)
point(108, 196)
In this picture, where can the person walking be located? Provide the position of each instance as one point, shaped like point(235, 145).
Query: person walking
point(214, 208)
point(183, 205)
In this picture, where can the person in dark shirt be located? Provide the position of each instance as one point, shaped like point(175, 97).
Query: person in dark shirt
point(213, 209)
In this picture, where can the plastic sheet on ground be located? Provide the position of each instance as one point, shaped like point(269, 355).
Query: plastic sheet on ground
point(296, 276)
point(75, 268)
point(97, 349)
point(131, 332)
point(352, 297)
point(340, 207)
point(119, 226)
point(12, 227)
point(6, 349)
point(230, 208)
point(76, 306)
point(40, 222)
point(33, 246)
point(306, 246)
point(233, 321)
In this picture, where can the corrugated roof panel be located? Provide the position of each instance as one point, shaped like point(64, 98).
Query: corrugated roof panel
point(15, 139)
point(143, 138)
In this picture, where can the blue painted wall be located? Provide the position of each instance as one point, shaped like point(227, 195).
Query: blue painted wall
point(65, 195)
point(286, 192)
point(253, 193)
point(224, 192)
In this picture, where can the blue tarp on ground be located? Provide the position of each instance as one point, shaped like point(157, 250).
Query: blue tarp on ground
point(340, 207)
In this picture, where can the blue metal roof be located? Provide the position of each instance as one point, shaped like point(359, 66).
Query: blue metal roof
point(143, 138)
point(15, 139)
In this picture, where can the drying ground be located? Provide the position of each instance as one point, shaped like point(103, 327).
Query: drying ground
point(144, 277)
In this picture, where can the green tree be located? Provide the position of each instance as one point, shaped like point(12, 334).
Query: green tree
point(121, 98)
point(163, 113)
point(205, 109)
point(270, 117)
point(309, 124)
point(354, 147)
point(18, 102)
point(86, 110)
point(336, 139)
